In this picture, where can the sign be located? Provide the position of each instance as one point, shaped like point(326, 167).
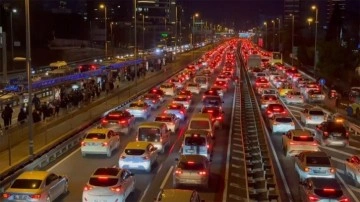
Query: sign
point(164, 35)
point(322, 81)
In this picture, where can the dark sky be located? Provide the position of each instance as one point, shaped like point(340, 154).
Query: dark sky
point(243, 13)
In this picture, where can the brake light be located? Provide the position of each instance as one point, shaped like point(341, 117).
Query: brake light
point(307, 169)
point(326, 134)
point(345, 199)
point(87, 188)
point(153, 101)
point(190, 162)
point(208, 146)
point(6, 195)
point(35, 196)
point(83, 143)
point(182, 112)
point(291, 143)
point(202, 173)
point(116, 189)
point(347, 133)
point(122, 121)
point(123, 157)
point(178, 171)
point(328, 190)
point(219, 118)
point(104, 144)
point(332, 170)
point(103, 178)
point(104, 121)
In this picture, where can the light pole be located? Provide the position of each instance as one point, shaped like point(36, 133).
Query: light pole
point(143, 31)
point(292, 38)
point(12, 31)
point(176, 27)
point(135, 41)
point(316, 30)
point(273, 46)
point(102, 6)
point(279, 31)
point(266, 33)
point(193, 28)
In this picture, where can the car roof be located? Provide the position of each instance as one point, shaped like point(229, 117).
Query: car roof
point(201, 116)
point(171, 195)
point(320, 183)
point(301, 132)
point(315, 153)
point(137, 145)
point(151, 124)
point(99, 129)
point(282, 116)
point(110, 171)
point(38, 175)
point(194, 131)
point(192, 157)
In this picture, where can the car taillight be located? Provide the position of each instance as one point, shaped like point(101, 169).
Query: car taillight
point(153, 101)
point(104, 144)
point(268, 111)
point(306, 169)
point(308, 117)
point(6, 195)
point(219, 118)
point(83, 143)
point(326, 134)
point(35, 196)
point(87, 188)
point(347, 133)
point(178, 171)
point(122, 121)
point(104, 121)
point(202, 173)
point(208, 146)
point(332, 170)
point(116, 189)
point(345, 199)
point(123, 157)
point(291, 143)
point(182, 112)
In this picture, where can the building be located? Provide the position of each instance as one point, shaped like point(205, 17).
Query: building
point(291, 8)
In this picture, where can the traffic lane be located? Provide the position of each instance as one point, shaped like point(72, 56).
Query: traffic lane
point(216, 183)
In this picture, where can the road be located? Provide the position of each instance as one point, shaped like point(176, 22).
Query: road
point(78, 168)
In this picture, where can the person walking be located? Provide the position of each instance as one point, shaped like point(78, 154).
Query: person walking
point(22, 116)
point(7, 115)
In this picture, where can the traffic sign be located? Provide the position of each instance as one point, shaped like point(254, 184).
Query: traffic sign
point(322, 81)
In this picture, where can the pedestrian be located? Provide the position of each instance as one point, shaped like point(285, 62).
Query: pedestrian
point(36, 102)
point(22, 116)
point(44, 110)
point(36, 116)
point(57, 107)
point(6, 115)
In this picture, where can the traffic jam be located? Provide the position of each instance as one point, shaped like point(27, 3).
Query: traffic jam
point(168, 145)
point(310, 144)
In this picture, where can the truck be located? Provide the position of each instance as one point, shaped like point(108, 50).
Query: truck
point(253, 61)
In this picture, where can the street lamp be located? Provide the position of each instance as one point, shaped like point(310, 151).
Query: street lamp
point(279, 27)
point(102, 6)
point(292, 38)
point(273, 46)
point(135, 42)
point(309, 20)
point(193, 28)
point(14, 10)
point(316, 30)
point(266, 33)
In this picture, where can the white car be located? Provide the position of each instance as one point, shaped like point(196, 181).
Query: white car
point(109, 184)
point(294, 97)
point(315, 96)
point(272, 75)
point(268, 91)
point(139, 109)
point(309, 86)
point(281, 123)
point(352, 169)
point(171, 121)
point(182, 99)
point(100, 141)
point(298, 140)
point(168, 89)
point(265, 100)
point(138, 156)
point(193, 87)
point(313, 116)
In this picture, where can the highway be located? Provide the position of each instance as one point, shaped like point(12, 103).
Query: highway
point(78, 168)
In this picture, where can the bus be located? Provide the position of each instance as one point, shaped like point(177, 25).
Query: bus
point(276, 57)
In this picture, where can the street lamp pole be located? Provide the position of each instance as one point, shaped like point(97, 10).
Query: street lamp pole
point(135, 41)
point(105, 12)
point(273, 46)
point(12, 31)
point(266, 37)
point(316, 33)
point(176, 27)
point(143, 32)
point(28, 69)
point(292, 38)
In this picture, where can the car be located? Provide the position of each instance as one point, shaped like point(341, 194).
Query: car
point(211, 100)
point(177, 109)
point(87, 67)
point(221, 84)
point(37, 186)
point(202, 80)
point(278, 81)
point(301, 82)
point(109, 184)
point(296, 141)
point(217, 115)
point(315, 96)
point(192, 170)
point(170, 120)
point(177, 82)
point(157, 133)
point(219, 91)
point(294, 97)
point(168, 88)
point(181, 99)
point(281, 123)
point(138, 156)
point(222, 78)
point(185, 93)
point(313, 164)
point(210, 93)
point(320, 189)
point(172, 195)
point(100, 140)
point(265, 100)
point(332, 133)
point(284, 89)
point(272, 75)
point(159, 93)
point(309, 86)
point(260, 75)
point(261, 83)
point(197, 142)
point(139, 109)
point(352, 169)
point(295, 77)
point(268, 91)
point(152, 100)
point(273, 109)
point(193, 87)
point(313, 116)
point(119, 121)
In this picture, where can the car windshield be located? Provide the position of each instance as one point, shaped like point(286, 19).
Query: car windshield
point(149, 134)
point(284, 120)
point(181, 99)
point(136, 152)
point(166, 86)
point(195, 141)
point(336, 128)
point(137, 105)
point(115, 116)
point(163, 119)
point(316, 113)
point(26, 184)
point(103, 181)
point(329, 193)
point(190, 165)
point(96, 136)
point(192, 85)
point(317, 160)
point(199, 124)
point(303, 138)
point(201, 79)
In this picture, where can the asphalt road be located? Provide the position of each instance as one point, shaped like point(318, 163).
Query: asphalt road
point(78, 168)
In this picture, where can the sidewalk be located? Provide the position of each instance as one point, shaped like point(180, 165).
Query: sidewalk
point(53, 130)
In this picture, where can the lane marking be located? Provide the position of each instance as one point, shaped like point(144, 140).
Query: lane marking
point(144, 192)
point(347, 188)
point(336, 151)
point(166, 177)
point(64, 159)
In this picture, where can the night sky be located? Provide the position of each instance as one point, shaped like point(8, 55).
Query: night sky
point(244, 14)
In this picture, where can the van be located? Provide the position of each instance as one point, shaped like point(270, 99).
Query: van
point(197, 142)
point(155, 132)
point(201, 121)
point(203, 81)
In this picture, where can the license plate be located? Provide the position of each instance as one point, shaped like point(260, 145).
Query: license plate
point(20, 197)
point(319, 171)
point(100, 200)
point(190, 150)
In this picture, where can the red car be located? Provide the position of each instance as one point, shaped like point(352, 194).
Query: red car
point(273, 109)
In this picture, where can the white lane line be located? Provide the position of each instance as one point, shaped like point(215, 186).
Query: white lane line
point(338, 160)
point(166, 177)
point(144, 193)
point(336, 151)
point(347, 187)
point(64, 159)
point(354, 148)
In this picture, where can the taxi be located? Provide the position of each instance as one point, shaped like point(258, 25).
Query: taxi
point(154, 132)
point(138, 156)
point(152, 100)
point(192, 170)
point(185, 93)
point(352, 169)
point(178, 195)
point(109, 184)
point(193, 87)
point(100, 140)
point(168, 88)
point(139, 109)
point(177, 109)
point(311, 164)
point(332, 133)
point(36, 186)
point(294, 97)
point(171, 121)
point(159, 93)
point(265, 100)
point(281, 123)
point(119, 121)
point(312, 116)
point(181, 99)
point(285, 89)
point(296, 141)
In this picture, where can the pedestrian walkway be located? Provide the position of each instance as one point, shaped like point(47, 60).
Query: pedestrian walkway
point(49, 132)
